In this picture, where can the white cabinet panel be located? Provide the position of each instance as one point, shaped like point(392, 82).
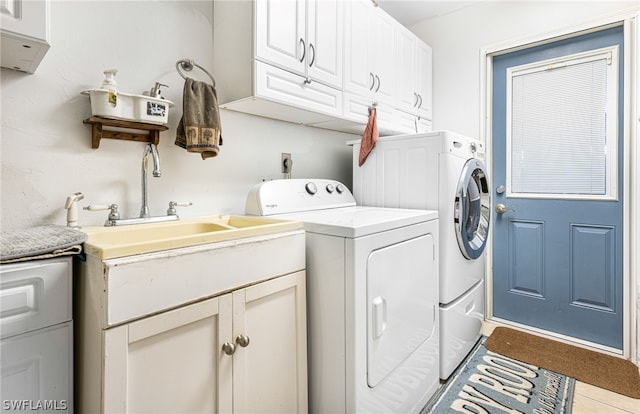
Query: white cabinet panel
point(25, 33)
point(34, 294)
point(168, 363)
point(37, 368)
point(369, 51)
point(290, 89)
point(37, 335)
point(269, 314)
point(325, 40)
point(423, 78)
point(414, 75)
point(280, 33)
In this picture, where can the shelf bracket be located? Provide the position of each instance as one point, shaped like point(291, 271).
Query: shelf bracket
point(142, 132)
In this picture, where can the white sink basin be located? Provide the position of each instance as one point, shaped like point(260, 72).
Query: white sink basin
point(120, 241)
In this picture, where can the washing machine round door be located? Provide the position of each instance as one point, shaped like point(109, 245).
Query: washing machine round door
point(472, 209)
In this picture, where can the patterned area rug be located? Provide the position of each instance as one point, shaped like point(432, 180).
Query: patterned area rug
point(487, 382)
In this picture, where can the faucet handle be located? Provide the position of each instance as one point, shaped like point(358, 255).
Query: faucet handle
point(171, 211)
point(113, 213)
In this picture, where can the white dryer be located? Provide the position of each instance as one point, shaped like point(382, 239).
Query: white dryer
point(444, 171)
point(372, 296)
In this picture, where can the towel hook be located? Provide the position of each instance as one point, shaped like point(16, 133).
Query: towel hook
point(188, 64)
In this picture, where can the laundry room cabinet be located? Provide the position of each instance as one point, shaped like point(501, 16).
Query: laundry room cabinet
point(414, 68)
point(24, 33)
point(303, 36)
point(369, 51)
point(321, 63)
point(36, 335)
point(232, 353)
point(217, 328)
point(285, 60)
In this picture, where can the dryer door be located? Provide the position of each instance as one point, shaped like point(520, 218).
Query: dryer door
point(402, 302)
point(471, 210)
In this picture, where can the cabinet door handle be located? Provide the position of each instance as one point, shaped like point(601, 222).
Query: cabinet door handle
point(304, 50)
point(378, 79)
point(420, 104)
point(229, 348)
point(373, 81)
point(415, 95)
point(242, 340)
point(313, 57)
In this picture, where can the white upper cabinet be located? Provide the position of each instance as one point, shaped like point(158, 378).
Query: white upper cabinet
point(370, 48)
point(322, 63)
point(280, 33)
point(325, 27)
point(25, 33)
point(304, 37)
point(280, 59)
point(414, 74)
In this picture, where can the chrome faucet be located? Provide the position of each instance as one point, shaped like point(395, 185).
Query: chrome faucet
point(114, 216)
point(153, 150)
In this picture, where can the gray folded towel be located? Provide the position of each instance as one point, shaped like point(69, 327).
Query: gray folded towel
point(199, 129)
point(40, 242)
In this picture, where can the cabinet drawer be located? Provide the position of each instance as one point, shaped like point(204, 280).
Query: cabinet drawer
point(34, 295)
point(290, 89)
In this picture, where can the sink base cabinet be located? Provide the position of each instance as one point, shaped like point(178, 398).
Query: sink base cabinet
point(175, 361)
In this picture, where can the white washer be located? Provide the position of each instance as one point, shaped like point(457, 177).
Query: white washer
point(372, 296)
point(445, 171)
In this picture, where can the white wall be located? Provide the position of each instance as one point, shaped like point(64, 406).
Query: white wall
point(457, 40)
point(46, 151)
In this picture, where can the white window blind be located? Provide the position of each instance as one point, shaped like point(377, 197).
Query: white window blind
point(560, 142)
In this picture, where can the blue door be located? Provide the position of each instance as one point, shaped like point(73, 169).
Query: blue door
point(558, 186)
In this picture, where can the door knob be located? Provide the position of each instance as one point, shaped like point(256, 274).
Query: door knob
point(501, 209)
point(242, 340)
point(229, 348)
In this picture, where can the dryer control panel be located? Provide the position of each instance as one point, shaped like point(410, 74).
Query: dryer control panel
point(295, 195)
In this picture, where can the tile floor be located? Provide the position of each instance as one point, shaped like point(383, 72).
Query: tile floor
point(588, 399)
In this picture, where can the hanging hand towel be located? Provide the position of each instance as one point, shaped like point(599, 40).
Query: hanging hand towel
point(199, 129)
point(369, 137)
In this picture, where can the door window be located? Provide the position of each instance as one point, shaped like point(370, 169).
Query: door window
point(562, 129)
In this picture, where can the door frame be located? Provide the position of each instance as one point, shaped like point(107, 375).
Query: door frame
point(630, 20)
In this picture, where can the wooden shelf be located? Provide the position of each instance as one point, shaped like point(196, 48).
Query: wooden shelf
point(146, 132)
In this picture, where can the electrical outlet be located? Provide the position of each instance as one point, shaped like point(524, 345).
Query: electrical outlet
point(287, 163)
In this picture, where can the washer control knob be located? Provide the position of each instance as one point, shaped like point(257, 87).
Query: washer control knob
point(330, 188)
point(311, 188)
point(339, 188)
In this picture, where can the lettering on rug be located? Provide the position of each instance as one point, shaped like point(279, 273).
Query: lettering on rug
point(512, 379)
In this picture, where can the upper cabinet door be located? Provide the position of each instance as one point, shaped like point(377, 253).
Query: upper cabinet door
point(325, 26)
point(370, 67)
point(406, 61)
point(280, 35)
point(383, 54)
point(413, 60)
point(423, 79)
point(358, 77)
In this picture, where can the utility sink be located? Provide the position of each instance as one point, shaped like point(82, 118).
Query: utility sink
point(120, 241)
